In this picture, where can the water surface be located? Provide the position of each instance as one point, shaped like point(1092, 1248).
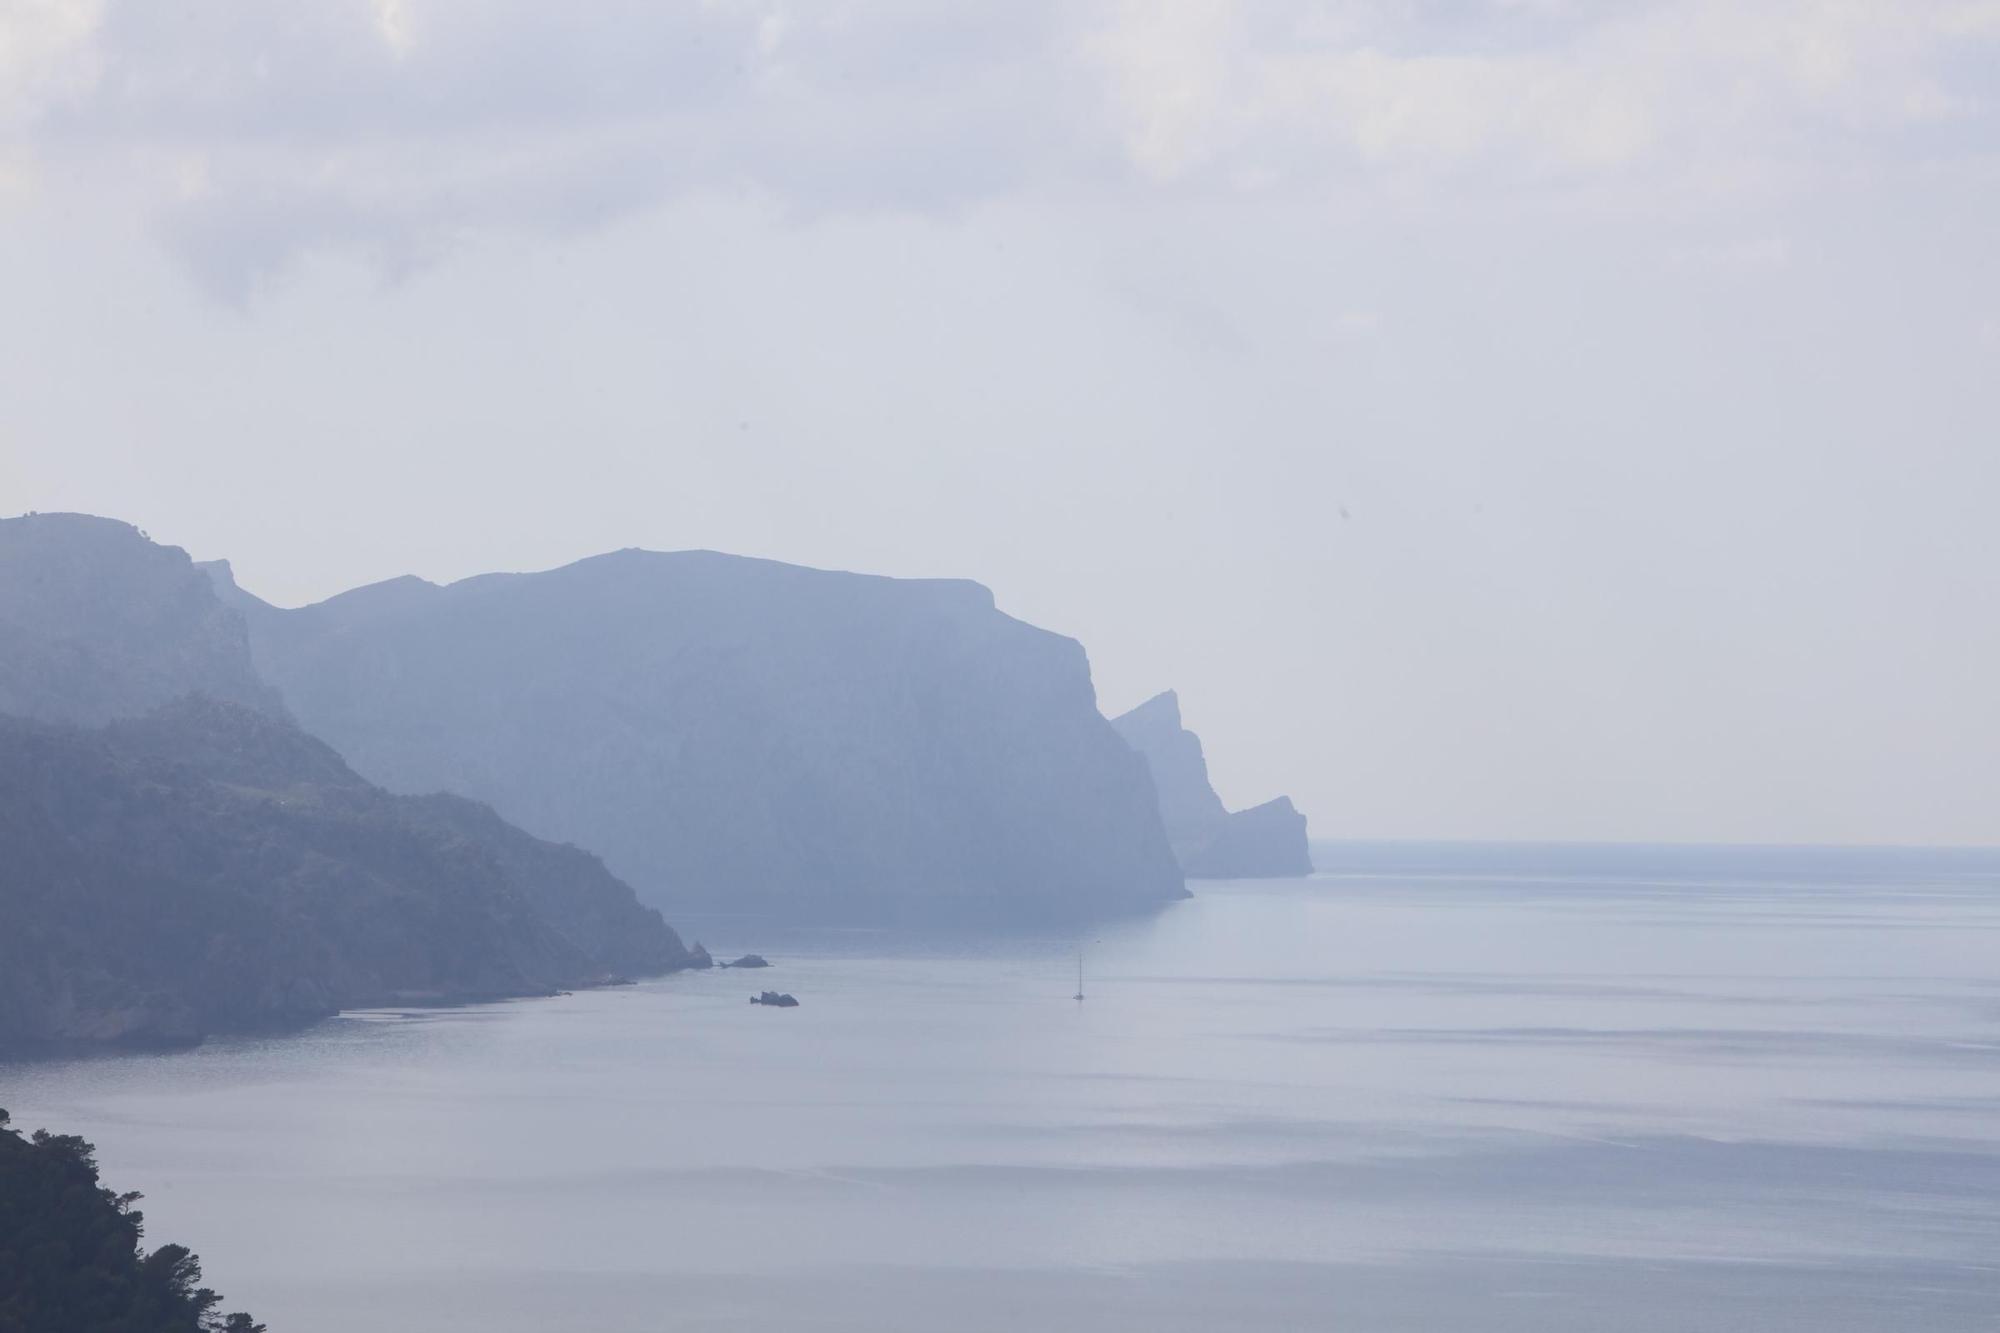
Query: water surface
point(1435, 1089)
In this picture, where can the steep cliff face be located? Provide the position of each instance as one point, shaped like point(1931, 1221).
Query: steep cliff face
point(1189, 807)
point(1210, 841)
point(210, 868)
point(741, 735)
point(97, 622)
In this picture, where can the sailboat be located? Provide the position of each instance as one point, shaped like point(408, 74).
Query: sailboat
point(1079, 974)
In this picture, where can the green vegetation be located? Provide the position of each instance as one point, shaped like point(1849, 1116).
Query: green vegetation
point(70, 1258)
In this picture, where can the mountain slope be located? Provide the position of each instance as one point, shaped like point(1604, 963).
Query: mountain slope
point(1210, 841)
point(177, 857)
point(741, 735)
point(209, 868)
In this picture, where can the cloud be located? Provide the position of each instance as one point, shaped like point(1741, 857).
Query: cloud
point(45, 57)
point(1240, 92)
point(392, 129)
point(41, 42)
point(395, 129)
point(392, 20)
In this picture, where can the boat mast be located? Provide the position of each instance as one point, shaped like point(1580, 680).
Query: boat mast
point(1079, 974)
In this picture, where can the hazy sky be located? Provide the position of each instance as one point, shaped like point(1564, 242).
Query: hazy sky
point(1532, 418)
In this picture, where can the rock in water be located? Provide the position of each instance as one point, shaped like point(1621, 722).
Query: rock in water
point(776, 999)
point(749, 960)
point(739, 735)
point(1267, 840)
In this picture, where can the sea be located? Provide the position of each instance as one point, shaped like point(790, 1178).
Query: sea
point(1438, 1088)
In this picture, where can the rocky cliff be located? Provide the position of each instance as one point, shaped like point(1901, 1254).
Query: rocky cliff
point(1210, 842)
point(98, 622)
point(745, 736)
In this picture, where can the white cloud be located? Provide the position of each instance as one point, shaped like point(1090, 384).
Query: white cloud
point(40, 45)
point(392, 20)
point(1387, 87)
point(45, 57)
point(391, 128)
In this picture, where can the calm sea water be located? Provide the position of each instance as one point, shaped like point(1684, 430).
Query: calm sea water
point(1436, 1089)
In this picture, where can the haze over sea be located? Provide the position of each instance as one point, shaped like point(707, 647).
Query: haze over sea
point(1436, 1088)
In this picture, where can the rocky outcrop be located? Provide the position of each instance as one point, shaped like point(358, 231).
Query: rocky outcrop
point(748, 960)
point(1189, 808)
point(742, 736)
point(209, 868)
point(1211, 842)
point(1264, 841)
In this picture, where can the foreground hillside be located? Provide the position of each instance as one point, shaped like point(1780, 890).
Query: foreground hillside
point(742, 735)
point(70, 1258)
point(208, 868)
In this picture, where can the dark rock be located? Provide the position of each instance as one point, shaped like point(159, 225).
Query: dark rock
point(775, 998)
point(1211, 842)
point(749, 960)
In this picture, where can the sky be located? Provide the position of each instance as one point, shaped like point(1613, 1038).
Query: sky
point(1496, 418)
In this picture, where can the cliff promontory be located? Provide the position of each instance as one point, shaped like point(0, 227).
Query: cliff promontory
point(1211, 842)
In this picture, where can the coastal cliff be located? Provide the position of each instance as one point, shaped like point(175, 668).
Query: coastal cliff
point(743, 736)
point(1210, 841)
